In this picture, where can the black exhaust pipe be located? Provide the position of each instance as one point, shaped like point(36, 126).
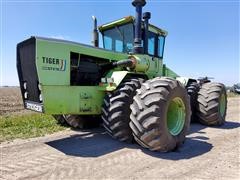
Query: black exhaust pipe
point(138, 49)
point(95, 41)
point(146, 17)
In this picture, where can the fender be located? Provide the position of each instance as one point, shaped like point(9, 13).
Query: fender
point(185, 80)
point(119, 76)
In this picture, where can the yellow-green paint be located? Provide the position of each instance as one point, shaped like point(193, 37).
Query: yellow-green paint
point(130, 19)
point(125, 20)
point(59, 97)
point(176, 115)
point(61, 50)
point(222, 104)
point(72, 99)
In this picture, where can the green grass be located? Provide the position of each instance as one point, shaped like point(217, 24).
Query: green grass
point(27, 126)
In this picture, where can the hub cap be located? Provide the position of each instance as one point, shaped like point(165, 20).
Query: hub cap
point(176, 116)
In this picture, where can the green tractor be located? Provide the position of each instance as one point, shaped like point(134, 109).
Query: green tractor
point(125, 83)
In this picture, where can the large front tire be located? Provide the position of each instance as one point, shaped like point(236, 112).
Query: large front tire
point(212, 104)
point(116, 110)
point(160, 115)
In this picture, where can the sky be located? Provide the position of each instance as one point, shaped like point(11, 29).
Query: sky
point(203, 36)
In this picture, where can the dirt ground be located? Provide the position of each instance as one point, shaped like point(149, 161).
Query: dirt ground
point(11, 101)
point(208, 153)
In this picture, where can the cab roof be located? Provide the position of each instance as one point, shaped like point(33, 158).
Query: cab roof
point(130, 19)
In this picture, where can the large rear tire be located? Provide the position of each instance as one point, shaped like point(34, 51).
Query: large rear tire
point(74, 121)
point(160, 115)
point(116, 110)
point(77, 121)
point(212, 104)
point(60, 120)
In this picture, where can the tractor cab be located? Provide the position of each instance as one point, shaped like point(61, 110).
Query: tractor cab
point(119, 36)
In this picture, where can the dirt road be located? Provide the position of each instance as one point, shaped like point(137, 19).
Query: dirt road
point(209, 153)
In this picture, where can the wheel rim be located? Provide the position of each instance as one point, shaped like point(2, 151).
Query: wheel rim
point(222, 106)
point(176, 116)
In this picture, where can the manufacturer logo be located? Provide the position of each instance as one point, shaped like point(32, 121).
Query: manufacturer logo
point(53, 64)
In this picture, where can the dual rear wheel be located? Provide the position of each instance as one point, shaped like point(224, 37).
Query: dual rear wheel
point(211, 104)
point(116, 110)
point(160, 115)
point(208, 103)
point(155, 113)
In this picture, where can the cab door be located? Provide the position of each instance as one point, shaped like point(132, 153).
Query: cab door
point(155, 51)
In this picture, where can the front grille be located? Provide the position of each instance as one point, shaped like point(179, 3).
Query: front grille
point(27, 72)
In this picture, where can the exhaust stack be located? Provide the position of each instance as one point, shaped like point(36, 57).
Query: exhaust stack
point(95, 41)
point(138, 4)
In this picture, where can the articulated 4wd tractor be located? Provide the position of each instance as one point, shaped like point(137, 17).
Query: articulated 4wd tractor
point(125, 83)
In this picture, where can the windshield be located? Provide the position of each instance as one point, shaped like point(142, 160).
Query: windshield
point(119, 38)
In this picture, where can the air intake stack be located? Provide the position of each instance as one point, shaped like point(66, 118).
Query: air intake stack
point(138, 4)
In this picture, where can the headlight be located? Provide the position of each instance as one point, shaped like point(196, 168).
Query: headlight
point(40, 97)
point(25, 85)
point(39, 87)
point(26, 95)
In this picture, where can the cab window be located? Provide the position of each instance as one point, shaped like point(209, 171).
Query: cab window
point(161, 42)
point(151, 43)
point(119, 38)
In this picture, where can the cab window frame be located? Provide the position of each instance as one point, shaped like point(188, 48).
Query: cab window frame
point(127, 45)
point(161, 51)
point(156, 44)
point(157, 51)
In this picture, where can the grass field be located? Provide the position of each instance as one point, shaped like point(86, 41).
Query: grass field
point(26, 126)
